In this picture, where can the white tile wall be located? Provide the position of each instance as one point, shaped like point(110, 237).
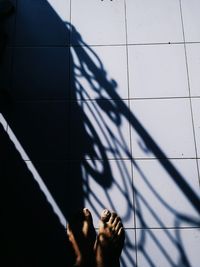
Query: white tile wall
point(62, 8)
point(48, 29)
point(193, 56)
point(118, 99)
point(161, 247)
point(99, 122)
point(168, 122)
point(117, 197)
point(100, 23)
point(191, 20)
point(153, 21)
point(129, 253)
point(48, 76)
point(160, 201)
point(157, 71)
point(109, 59)
point(196, 114)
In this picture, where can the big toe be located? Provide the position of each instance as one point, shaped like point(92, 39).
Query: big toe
point(88, 227)
point(87, 215)
point(105, 215)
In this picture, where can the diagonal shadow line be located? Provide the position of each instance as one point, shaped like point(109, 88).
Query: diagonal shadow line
point(124, 111)
point(34, 172)
point(142, 132)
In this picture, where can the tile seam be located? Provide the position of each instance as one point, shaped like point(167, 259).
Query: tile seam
point(189, 88)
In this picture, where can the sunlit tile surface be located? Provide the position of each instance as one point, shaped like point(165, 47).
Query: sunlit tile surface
point(100, 22)
point(157, 71)
point(98, 131)
point(110, 188)
point(193, 56)
point(153, 21)
point(191, 20)
point(159, 201)
point(196, 112)
point(168, 247)
point(168, 121)
point(100, 108)
point(88, 81)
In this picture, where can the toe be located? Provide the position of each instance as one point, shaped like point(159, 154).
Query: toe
point(87, 215)
point(112, 217)
point(121, 233)
point(105, 215)
point(116, 221)
point(87, 227)
point(118, 226)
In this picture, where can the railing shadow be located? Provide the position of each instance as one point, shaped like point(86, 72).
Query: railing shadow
point(76, 142)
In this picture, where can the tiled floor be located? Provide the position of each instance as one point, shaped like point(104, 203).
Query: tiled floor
point(106, 105)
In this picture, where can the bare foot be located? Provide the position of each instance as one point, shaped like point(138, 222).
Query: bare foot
point(110, 240)
point(81, 234)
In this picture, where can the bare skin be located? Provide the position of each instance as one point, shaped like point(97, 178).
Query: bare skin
point(106, 250)
point(110, 240)
point(81, 234)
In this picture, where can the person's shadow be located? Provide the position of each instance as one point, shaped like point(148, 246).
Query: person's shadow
point(37, 109)
point(48, 113)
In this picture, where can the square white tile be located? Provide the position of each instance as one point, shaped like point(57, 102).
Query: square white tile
point(157, 71)
point(99, 22)
point(48, 29)
point(196, 116)
point(191, 20)
point(41, 73)
point(168, 247)
point(193, 58)
point(108, 184)
point(99, 130)
point(190, 241)
point(163, 124)
point(128, 257)
point(165, 198)
point(154, 21)
point(99, 72)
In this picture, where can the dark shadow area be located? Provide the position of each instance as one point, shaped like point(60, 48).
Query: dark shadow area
point(66, 135)
point(31, 234)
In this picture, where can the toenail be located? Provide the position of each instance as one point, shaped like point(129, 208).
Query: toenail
point(86, 211)
point(106, 212)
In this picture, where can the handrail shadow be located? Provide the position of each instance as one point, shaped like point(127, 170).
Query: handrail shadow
point(67, 136)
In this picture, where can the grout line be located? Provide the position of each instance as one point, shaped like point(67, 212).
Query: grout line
point(59, 100)
point(159, 228)
point(130, 139)
point(102, 45)
point(164, 228)
point(110, 159)
point(70, 13)
point(189, 88)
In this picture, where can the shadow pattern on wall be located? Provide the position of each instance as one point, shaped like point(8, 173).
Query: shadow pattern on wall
point(73, 138)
